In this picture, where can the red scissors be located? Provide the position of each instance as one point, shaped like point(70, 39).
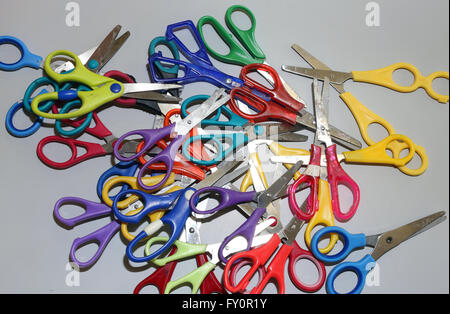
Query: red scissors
point(268, 104)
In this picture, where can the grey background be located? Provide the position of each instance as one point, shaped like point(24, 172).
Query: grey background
point(35, 249)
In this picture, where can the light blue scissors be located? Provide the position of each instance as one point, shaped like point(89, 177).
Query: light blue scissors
point(381, 243)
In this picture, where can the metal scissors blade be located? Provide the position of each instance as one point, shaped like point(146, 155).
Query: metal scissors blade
point(107, 48)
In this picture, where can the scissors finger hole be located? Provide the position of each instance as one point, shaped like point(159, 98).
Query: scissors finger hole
point(377, 132)
point(240, 269)
point(59, 60)
point(241, 19)
point(440, 85)
point(86, 251)
point(403, 77)
point(10, 53)
point(307, 270)
point(215, 43)
point(71, 210)
point(346, 281)
point(328, 243)
point(186, 36)
point(58, 153)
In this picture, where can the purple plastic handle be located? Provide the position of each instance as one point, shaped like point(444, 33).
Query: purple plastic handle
point(92, 210)
point(246, 230)
point(228, 198)
point(101, 236)
point(150, 137)
point(167, 156)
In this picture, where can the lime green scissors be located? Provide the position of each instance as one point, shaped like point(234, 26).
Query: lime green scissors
point(243, 51)
point(103, 89)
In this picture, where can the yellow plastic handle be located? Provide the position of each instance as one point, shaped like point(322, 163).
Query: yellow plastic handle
point(383, 77)
point(153, 217)
point(376, 153)
point(281, 150)
point(324, 217)
point(100, 94)
point(247, 181)
point(365, 117)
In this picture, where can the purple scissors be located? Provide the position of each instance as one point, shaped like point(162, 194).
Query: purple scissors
point(230, 198)
point(179, 129)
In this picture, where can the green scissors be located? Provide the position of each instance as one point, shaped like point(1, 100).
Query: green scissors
point(243, 51)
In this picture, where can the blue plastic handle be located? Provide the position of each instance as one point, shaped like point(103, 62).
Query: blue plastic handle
point(237, 140)
point(175, 219)
point(199, 57)
point(161, 40)
point(20, 132)
point(123, 168)
point(350, 241)
point(151, 203)
point(66, 108)
point(234, 120)
point(27, 59)
point(360, 268)
point(193, 73)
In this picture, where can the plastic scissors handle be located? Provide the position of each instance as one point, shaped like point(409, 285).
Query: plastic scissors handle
point(83, 123)
point(151, 203)
point(92, 150)
point(126, 169)
point(257, 258)
point(309, 181)
point(323, 216)
point(237, 55)
point(384, 77)
point(175, 219)
point(104, 89)
point(264, 110)
point(351, 242)
point(92, 210)
point(336, 177)
point(228, 198)
point(365, 117)
point(298, 254)
point(27, 59)
point(9, 122)
point(161, 40)
point(34, 86)
point(277, 93)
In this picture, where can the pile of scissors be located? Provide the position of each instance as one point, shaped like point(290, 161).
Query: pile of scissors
point(199, 148)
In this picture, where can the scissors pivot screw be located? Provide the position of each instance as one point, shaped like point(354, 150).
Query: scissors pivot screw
point(115, 88)
point(191, 230)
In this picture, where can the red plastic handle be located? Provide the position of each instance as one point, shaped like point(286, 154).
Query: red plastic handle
point(297, 254)
point(257, 258)
point(240, 264)
point(337, 176)
point(265, 111)
point(92, 150)
point(278, 93)
point(160, 277)
point(210, 284)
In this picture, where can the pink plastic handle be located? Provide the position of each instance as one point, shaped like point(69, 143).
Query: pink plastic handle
point(337, 176)
point(92, 150)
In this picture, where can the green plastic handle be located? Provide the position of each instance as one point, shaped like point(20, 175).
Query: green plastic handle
point(195, 278)
point(237, 55)
point(183, 250)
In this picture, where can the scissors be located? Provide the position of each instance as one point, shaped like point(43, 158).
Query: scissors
point(178, 201)
point(185, 250)
point(199, 68)
point(180, 129)
point(229, 198)
point(243, 51)
point(276, 104)
point(104, 89)
point(259, 256)
point(365, 117)
point(382, 77)
point(99, 130)
point(381, 244)
point(101, 236)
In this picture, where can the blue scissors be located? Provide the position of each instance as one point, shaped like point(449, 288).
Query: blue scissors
point(180, 210)
point(199, 67)
point(381, 243)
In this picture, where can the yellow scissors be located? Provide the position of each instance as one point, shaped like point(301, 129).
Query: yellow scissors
point(363, 116)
